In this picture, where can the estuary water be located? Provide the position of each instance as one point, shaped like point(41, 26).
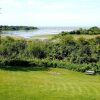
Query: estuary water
point(39, 31)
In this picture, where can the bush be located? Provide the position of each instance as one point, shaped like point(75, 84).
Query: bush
point(67, 53)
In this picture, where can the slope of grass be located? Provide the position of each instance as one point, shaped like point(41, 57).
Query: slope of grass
point(43, 37)
point(56, 37)
point(84, 36)
point(52, 37)
point(48, 84)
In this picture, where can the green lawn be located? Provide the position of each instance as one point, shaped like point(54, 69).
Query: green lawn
point(48, 84)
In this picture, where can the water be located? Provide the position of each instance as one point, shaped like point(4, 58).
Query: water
point(40, 31)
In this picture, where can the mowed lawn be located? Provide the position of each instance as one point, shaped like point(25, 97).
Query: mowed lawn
point(48, 84)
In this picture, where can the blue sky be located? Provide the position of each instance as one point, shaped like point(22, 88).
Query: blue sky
point(50, 12)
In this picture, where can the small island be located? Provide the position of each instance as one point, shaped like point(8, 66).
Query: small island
point(14, 28)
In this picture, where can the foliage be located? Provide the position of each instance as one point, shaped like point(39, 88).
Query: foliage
point(91, 31)
point(4, 28)
point(73, 53)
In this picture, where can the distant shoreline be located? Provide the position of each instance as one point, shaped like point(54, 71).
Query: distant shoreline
point(43, 31)
point(15, 28)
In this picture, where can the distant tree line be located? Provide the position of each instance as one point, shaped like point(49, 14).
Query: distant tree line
point(4, 28)
point(91, 31)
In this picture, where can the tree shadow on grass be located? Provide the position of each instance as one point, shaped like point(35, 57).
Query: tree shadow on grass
point(25, 69)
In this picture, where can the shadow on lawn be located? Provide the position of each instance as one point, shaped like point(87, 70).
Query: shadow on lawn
point(25, 69)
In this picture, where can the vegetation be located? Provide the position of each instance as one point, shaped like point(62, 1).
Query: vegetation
point(47, 84)
point(26, 73)
point(79, 55)
point(4, 28)
point(91, 31)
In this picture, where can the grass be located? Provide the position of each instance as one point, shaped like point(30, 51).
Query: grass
point(3, 36)
point(85, 36)
point(51, 37)
point(48, 84)
point(36, 37)
point(43, 37)
point(56, 38)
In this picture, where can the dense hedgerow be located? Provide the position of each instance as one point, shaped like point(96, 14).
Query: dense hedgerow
point(49, 63)
point(74, 51)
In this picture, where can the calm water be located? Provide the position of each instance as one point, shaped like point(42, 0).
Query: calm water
point(40, 31)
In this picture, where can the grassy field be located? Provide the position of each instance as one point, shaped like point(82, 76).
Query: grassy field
point(48, 84)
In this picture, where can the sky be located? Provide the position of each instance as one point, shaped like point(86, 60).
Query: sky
point(50, 12)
